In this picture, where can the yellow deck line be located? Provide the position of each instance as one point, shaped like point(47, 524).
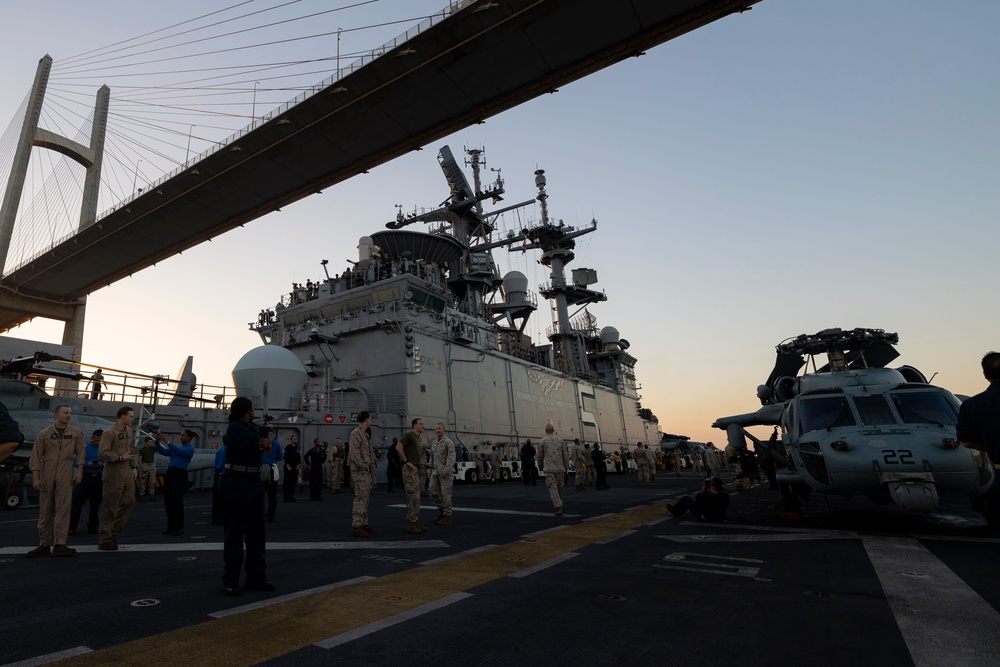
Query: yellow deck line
point(262, 634)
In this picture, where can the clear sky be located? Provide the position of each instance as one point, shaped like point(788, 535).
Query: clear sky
point(800, 166)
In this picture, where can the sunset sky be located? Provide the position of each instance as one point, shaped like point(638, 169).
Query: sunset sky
point(793, 168)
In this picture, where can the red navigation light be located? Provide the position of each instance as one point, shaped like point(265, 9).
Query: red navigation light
point(950, 443)
point(839, 445)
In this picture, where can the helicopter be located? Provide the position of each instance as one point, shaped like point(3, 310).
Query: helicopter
point(856, 427)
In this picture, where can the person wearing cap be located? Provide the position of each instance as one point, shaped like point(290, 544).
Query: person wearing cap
point(52, 463)
point(90, 489)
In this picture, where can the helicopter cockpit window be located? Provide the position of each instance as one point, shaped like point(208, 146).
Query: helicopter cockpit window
point(925, 407)
point(817, 414)
point(874, 410)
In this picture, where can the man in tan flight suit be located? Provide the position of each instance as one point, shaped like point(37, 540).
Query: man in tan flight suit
point(650, 463)
point(361, 459)
point(117, 450)
point(641, 464)
point(553, 460)
point(580, 464)
point(52, 475)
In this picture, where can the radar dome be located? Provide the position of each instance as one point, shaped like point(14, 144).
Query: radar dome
point(515, 281)
point(270, 370)
point(609, 335)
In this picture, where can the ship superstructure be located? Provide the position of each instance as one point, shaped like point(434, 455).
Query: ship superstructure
point(423, 325)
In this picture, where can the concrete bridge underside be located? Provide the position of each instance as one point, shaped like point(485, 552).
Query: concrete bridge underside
point(486, 58)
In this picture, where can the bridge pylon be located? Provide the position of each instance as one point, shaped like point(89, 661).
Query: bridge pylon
point(91, 157)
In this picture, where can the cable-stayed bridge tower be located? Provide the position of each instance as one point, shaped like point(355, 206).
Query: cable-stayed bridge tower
point(90, 157)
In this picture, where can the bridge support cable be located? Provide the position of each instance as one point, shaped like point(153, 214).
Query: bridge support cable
point(91, 157)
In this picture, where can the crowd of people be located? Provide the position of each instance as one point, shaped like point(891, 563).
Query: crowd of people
point(106, 472)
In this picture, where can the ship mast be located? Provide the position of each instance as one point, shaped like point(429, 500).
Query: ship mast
point(557, 243)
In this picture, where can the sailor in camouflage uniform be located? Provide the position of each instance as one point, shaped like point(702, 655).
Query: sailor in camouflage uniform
point(579, 464)
point(553, 460)
point(442, 474)
point(361, 459)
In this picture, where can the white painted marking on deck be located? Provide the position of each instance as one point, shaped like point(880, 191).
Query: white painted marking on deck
point(49, 658)
point(372, 628)
point(488, 511)
point(528, 571)
point(788, 537)
point(942, 620)
point(711, 564)
point(285, 598)
point(443, 559)
point(599, 516)
point(271, 546)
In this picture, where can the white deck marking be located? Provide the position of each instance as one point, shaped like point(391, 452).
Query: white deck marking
point(49, 658)
point(487, 511)
point(271, 546)
point(372, 628)
point(788, 537)
point(285, 598)
point(729, 565)
point(442, 559)
point(521, 574)
point(942, 620)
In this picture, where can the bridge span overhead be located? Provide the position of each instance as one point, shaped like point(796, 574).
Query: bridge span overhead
point(483, 58)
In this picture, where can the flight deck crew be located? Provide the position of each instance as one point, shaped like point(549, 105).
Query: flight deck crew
point(315, 458)
point(979, 428)
point(269, 469)
point(600, 468)
point(338, 455)
point(554, 461)
point(496, 465)
point(117, 450)
point(361, 459)
point(10, 434)
point(147, 470)
point(442, 474)
point(243, 500)
point(477, 458)
point(650, 462)
point(591, 475)
point(409, 452)
point(293, 461)
point(176, 481)
point(90, 489)
point(220, 464)
point(52, 463)
point(580, 464)
point(641, 464)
